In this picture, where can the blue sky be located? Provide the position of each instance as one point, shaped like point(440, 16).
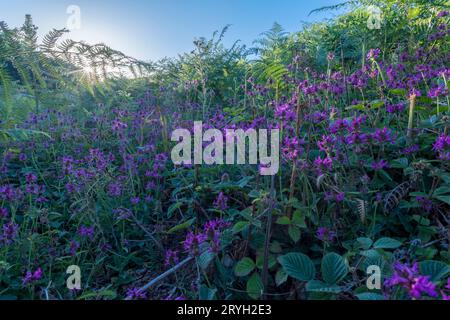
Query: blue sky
point(153, 29)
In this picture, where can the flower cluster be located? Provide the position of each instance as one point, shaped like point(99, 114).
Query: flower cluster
point(409, 278)
point(31, 277)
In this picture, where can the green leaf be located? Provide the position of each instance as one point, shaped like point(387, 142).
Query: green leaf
point(294, 233)
point(401, 163)
point(445, 199)
point(435, 269)
point(364, 243)
point(442, 190)
point(205, 259)
point(319, 286)
point(387, 243)
point(398, 92)
point(298, 218)
point(244, 267)
point(239, 226)
point(284, 220)
point(298, 266)
point(182, 226)
point(413, 13)
point(103, 293)
point(206, 293)
point(370, 296)
point(173, 207)
point(334, 268)
point(260, 261)
point(280, 277)
point(371, 253)
point(255, 286)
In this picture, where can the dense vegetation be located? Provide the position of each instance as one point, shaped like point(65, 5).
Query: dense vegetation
point(86, 177)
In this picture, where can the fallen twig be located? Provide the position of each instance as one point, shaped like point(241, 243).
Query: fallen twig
point(165, 274)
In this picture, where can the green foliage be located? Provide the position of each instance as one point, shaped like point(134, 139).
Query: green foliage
point(298, 266)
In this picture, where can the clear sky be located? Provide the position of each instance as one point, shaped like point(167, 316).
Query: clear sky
point(153, 29)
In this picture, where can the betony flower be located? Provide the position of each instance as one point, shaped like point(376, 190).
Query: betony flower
point(221, 202)
point(193, 241)
point(171, 258)
point(409, 278)
point(373, 54)
point(3, 213)
point(86, 232)
point(136, 294)
point(380, 165)
point(325, 234)
point(31, 277)
point(10, 230)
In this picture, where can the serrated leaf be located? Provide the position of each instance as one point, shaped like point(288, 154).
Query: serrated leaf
point(298, 266)
point(294, 233)
point(319, 286)
point(205, 259)
point(435, 269)
point(387, 243)
point(373, 254)
point(280, 277)
point(244, 267)
point(255, 286)
point(364, 243)
point(334, 268)
point(260, 261)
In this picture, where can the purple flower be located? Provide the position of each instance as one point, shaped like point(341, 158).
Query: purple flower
point(118, 126)
point(171, 258)
point(285, 112)
point(408, 278)
point(411, 149)
point(115, 189)
point(394, 108)
point(32, 277)
point(9, 232)
point(212, 231)
point(373, 54)
point(326, 235)
point(73, 247)
point(4, 213)
point(122, 213)
point(136, 294)
point(87, 232)
point(442, 147)
point(380, 165)
point(23, 157)
point(221, 202)
point(30, 178)
point(334, 196)
point(323, 165)
point(442, 14)
point(193, 242)
point(177, 298)
point(291, 147)
point(425, 203)
point(382, 135)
